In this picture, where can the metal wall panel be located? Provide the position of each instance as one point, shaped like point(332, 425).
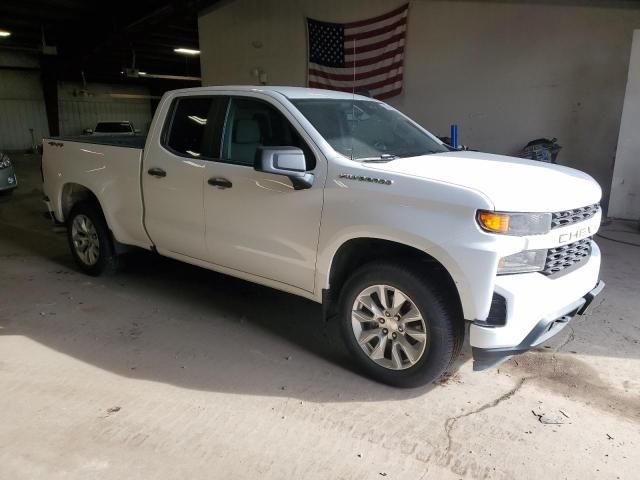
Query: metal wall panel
point(82, 107)
point(21, 109)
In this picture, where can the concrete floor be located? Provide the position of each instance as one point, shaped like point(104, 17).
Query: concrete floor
point(167, 371)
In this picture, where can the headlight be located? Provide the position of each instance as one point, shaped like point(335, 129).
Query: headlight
point(522, 262)
point(4, 161)
point(515, 223)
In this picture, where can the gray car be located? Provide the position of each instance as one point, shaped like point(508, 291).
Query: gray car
point(8, 179)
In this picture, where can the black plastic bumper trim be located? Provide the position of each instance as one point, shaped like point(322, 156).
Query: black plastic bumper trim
point(484, 358)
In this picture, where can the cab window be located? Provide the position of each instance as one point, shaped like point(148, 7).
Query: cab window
point(195, 126)
point(252, 124)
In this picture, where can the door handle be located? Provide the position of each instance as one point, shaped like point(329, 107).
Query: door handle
point(157, 172)
point(220, 182)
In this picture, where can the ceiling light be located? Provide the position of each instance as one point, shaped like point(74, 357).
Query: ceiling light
point(4, 33)
point(187, 51)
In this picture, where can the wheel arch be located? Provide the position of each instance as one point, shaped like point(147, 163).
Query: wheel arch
point(359, 250)
point(72, 193)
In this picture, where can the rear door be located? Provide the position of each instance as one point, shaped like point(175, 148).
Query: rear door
point(173, 173)
point(256, 222)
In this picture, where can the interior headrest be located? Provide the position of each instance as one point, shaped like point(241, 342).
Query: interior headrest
point(246, 130)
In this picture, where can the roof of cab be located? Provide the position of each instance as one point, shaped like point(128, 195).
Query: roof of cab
point(289, 92)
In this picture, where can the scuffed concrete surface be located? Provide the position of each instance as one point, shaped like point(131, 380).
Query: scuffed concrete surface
point(167, 371)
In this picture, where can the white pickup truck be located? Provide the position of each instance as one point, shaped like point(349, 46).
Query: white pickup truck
point(342, 199)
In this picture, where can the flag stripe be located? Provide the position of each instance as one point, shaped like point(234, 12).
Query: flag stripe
point(358, 84)
point(370, 61)
point(379, 18)
point(389, 94)
point(363, 86)
point(348, 46)
point(375, 26)
point(396, 37)
point(375, 53)
point(350, 76)
point(373, 33)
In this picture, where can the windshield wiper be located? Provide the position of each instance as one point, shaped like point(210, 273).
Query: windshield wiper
point(385, 157)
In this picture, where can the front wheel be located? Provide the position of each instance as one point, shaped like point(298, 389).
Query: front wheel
point(90, 240)
point(398, 326)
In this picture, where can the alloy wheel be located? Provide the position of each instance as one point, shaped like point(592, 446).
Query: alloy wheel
point(85, 240)
point(389, 327)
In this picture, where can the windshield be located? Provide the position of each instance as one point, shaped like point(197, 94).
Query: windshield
point(367, 130)
point(113, 127)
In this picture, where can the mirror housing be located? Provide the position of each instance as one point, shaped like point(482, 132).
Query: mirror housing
point(286, 161)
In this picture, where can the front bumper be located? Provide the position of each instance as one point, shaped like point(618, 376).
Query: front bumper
point(8, 179)
point(538, 308)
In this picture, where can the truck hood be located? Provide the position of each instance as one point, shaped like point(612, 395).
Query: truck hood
point(512, 184)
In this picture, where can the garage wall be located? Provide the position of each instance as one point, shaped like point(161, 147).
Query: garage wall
point(625, 195)
point(82, 107)
point(505, 71)
point(21, 101)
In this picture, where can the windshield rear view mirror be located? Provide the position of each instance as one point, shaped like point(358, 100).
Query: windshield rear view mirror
point(287, 161)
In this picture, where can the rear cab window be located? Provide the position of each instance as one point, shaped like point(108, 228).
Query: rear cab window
point(194, 126)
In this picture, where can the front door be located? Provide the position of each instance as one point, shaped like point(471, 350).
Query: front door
point(256, 222)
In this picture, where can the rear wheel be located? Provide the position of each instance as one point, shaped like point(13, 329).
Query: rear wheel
point(90, 240)
point(400, 329)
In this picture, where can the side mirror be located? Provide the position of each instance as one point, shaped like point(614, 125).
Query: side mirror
point(287, 161)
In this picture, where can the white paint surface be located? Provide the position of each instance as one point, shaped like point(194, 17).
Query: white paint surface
point(625, 187)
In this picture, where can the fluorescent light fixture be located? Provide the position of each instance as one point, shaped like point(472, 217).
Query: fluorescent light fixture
point(4, 33)
point(187, 51)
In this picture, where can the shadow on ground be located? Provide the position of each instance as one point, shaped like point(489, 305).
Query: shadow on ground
point(166, 321)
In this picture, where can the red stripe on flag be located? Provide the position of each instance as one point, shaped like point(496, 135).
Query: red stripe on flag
point(372, 60)
point(377, 19)
point(374, 46)
point(358, 76)
point(369, 86)
point(389, 94)
point(377, 31)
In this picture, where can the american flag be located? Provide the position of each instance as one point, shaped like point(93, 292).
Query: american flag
point(360, 56)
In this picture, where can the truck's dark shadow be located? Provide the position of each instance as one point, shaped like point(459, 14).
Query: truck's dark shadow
point(167, 321)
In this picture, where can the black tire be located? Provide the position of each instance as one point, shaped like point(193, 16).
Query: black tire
point(444, 323)
point(107, 260)
point(7, 193)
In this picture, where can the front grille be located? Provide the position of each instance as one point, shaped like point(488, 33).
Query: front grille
point(569, 217)
point(562, 260)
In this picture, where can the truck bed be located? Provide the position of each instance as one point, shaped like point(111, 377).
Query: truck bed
point(109, 167)
point(128, 141)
